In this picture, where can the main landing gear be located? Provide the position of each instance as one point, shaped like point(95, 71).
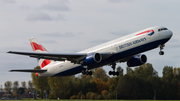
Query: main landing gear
point(85, 71)
point(161, 48)
point(113, 72)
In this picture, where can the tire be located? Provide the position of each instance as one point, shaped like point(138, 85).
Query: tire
point(114, 73)
point(110, 72)
point(161, 53)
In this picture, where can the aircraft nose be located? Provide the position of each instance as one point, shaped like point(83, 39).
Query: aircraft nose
point(169, 34)
point(166, 34)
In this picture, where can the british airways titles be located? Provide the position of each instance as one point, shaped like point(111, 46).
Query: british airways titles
point(131, 43)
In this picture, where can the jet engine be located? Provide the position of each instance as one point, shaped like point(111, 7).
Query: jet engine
point(137, 60)
point(91, 59)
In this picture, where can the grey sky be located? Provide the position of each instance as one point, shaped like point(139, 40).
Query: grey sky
point(67, 26)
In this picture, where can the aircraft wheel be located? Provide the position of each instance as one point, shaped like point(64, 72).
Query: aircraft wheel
point(114, 73)
point(161, 53)
point(87, 72)
point(110, 72)
point(90, 73)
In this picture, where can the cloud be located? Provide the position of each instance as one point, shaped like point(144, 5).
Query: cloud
point(40, 16)
point(9, 1)
point(119, 33)
point(118, 1)
point(174, 43)
point(58, 17)
point(25, 7)
point(99, 41)
point(50, 41)
point(57, 34)
point(56, 5)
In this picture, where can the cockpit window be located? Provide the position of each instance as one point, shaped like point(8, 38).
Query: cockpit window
point(162, 29)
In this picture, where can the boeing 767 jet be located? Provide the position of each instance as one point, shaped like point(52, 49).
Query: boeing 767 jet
point(125, 49)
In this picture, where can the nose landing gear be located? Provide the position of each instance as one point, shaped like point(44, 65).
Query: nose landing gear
point(113, 65)
point(161, 48)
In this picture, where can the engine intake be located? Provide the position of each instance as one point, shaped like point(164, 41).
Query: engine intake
point(91, 59)
point(137, 60)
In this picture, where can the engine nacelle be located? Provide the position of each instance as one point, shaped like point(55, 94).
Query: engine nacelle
point(137, 60)
point(91, 59)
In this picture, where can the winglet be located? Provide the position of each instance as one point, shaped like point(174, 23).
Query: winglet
point(9, 52)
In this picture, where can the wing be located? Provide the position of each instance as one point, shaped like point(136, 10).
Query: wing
point(51, 56)
point(59, 57)
point(29, 70)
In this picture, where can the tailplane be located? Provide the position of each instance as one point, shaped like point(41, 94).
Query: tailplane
point(37, 47)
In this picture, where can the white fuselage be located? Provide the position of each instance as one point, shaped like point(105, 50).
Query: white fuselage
point(123, 47)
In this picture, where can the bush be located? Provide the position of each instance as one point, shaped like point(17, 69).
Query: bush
point(109, 96)
point(92, 96)
point(88, 95)
point(74, 97)
point(99, 97)
point(104, 93)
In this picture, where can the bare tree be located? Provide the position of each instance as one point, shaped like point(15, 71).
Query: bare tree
point(23, 84)
point(30, 86)
point(1, 89)
point(8, 86)
point(15, 86)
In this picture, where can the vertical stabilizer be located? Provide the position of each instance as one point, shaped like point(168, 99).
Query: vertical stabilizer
point(37, 47)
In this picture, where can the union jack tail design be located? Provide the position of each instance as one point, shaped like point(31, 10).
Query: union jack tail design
point(37, 47)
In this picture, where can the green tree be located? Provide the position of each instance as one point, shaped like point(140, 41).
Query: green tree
point(145, 71)
point(120, 70)
point(100, 74)
point(60, 87)
point(138, 83)
point(100, 85)
point(40, 83)
point(129, 71)
point(89, 86)
point(104, 93)
point(111, 83)
point(170, 83)
point(168, 73)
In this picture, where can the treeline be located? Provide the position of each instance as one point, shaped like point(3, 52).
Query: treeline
point(13, 89)
point(139, 83)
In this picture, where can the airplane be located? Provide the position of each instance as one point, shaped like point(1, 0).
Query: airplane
point(125, 49)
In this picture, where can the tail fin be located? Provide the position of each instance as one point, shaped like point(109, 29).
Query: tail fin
point(37, 47)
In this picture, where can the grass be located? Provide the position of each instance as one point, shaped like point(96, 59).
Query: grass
point(83, 100)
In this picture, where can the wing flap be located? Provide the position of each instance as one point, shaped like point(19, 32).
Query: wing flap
point(29, 70)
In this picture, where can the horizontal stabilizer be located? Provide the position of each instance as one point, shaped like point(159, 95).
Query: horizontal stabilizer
point(29, 70)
